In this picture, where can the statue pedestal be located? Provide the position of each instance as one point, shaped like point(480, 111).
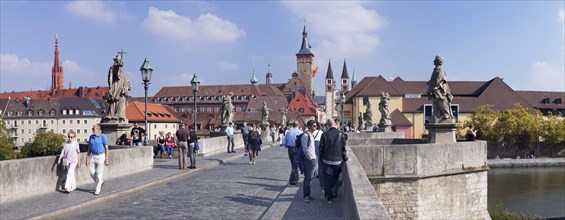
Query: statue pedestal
point(385, 128)
point(113, 131)
point(368, 126)
point(442, 132)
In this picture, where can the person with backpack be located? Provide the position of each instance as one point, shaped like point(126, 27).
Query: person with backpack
point(332, 153)
point(253, 144)
point(290, 143)
point(309, 161)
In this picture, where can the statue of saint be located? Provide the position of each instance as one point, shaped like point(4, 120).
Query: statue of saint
point(265, 113)
point(227, 109)
point(360, 119)
point(119, 90)
point(284, 119)
point(438, 91)
point(383, 108)
point(369, 113)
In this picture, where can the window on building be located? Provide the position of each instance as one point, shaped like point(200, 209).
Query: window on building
point(165, 126)
point(29, 130)
point(77, 112)
point(22, 140)
point(64, 131)
point(64, 111)
point(29, 113)
point(88, 112)
point(44, 123)
point(154, 126)
point(52, 112)
point(19, 113)
point(455, 111)
point(78, 131)
point(183, 109)
point(29, 140)
point(40, 112)
point(174, 126)
point(22, 131)
point(36, 122)
point(211, 109)
point(85, 121)
point(52, 130)
point(71, 112)
point(64, 121)
point(28, 122)
point(78, 121)
point(8, 122)
point(71, 121)
point(365, 100)
point(10, 114)
point(52, 121)
point(85, 130)
point(427, 113)
point(301, 110)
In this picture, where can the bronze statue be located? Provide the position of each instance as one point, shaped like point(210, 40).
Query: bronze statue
point(438, 91)
point(119, 90)
point(383, 108)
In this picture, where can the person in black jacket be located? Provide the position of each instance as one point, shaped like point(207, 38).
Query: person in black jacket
point(253, 144)
point(191, 143)
point(332, 154)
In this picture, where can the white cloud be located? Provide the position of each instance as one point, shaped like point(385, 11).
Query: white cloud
point(11, 64)
point(228, 66)
point(547, 77)
point(341, 28)
point(207, 28)
point(96, 10)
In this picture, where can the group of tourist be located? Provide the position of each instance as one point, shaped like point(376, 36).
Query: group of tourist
point(323, 153)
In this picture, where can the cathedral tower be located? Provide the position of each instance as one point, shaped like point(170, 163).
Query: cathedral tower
point(269, 77)
point(330, 92)
point(304, 62)
point(57, 70)
point(344, 79)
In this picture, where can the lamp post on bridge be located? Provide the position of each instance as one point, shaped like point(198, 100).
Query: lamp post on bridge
point(342, 101)
point(146, 71)
point(195, 84)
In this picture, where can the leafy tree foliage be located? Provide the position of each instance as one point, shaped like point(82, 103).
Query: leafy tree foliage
point(45, 144)
point(484, 119)
point(553, 129)
point(6, 142)
point(517, 126)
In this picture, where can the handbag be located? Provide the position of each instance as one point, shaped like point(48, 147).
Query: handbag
point(196, 147)
point(64, 162)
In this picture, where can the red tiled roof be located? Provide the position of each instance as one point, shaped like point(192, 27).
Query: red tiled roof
point(537, 98)
point(302, 100)
point(398, 119)
point(135, 112)
point(220, 90)
point(80, 92)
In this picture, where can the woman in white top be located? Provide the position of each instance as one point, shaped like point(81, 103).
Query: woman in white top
point(318, 170)
point(70, 159)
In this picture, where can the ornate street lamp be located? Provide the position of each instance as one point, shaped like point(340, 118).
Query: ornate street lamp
point(342, 101)
point(146, 71)
point(195, 84)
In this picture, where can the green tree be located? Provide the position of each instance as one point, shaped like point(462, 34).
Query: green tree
point(45, 144)
point(484, 119)
point(553, 129)
point(518, 126)
point(6, 142)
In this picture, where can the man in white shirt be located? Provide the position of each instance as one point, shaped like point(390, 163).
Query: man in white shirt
point(229, 133)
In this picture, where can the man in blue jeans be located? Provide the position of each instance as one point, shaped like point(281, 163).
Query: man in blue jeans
point(332, 154)
point(137, 134)
point(290, 143)
point(309, 159)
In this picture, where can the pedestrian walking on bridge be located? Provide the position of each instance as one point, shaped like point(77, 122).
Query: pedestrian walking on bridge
point(182, 138)
point(290, 143)
point(332, 154)
point(97, 156)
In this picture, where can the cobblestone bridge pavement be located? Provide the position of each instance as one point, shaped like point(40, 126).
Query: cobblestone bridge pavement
point(225, 186)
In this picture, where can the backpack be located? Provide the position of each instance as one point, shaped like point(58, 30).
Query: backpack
point(299, 152)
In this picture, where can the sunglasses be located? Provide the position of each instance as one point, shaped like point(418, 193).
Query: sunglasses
point(70, 136)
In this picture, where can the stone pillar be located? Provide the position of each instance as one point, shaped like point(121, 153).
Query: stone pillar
point(442, 132)
point(113, 131)
point(385, 128)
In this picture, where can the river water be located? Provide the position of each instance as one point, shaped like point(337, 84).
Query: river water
point(538, 190)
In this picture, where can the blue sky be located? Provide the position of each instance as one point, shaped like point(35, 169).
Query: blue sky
point(522, 42)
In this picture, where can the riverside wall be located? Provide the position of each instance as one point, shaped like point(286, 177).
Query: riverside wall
point(418, 180)
point(23, 178)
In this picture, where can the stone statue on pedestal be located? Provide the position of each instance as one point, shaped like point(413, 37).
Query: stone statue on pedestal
point(119, 90)
point(360, 119)
point(265, 114)
point(368, 116)
point(438, 91)
point(383, 108)
point(284, 119)
point(227, 109)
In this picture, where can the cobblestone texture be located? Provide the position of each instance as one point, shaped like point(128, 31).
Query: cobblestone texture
point(235, 190)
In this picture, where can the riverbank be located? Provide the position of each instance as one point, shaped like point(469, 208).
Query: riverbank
point(537, 162)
